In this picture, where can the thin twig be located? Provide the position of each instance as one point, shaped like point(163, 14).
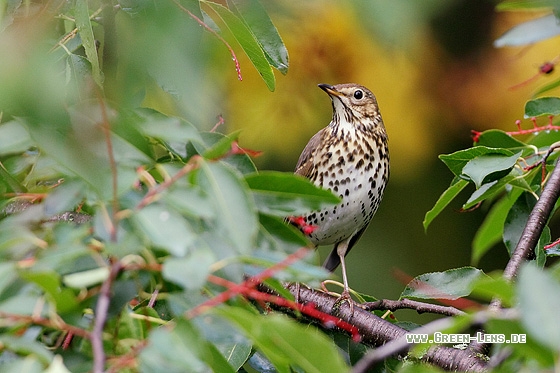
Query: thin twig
point(101, 309)
point(420, 307)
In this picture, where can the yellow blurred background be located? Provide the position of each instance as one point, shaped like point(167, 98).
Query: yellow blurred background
point(436, 76)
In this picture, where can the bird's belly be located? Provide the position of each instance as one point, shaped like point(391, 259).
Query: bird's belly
point(361, 192)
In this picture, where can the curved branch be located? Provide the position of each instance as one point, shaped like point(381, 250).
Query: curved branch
point(535, 224)
point(376, 331)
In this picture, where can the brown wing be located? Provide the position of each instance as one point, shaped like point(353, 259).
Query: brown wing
point(305, 163)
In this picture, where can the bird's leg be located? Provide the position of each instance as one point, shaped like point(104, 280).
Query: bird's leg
point(345, 296)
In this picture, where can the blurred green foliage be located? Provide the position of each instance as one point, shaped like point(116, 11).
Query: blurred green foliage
point(122, 215)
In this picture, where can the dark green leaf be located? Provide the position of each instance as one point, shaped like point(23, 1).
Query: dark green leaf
point(277, 234)
point(178, 349)
point(446, 197)
point(490, 232)
point(233, 346)
point(489, 167)
point(450, 284)
point(247, 41)
point(529, 32)
point(539, 301)
point(457, 161)
point(285, 342)
point(500, 139)
point(284, 194)
point(258, 21)
point(516, 220)
point(542, 106)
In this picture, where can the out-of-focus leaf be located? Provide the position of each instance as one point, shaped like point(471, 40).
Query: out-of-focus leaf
point(489, 167)
point(65, 197)
point(458, 160)
point(283, 194)
point(446, 197)
point(165, 228)
point(543, 139)
point(529, 32)
point(179, 349)
point(539, 299)
point(285, 342)
point(491, 230)
point(518, 5)
point(234, 347)
point(84, 279)
point(542, 106)
point(83, 24)
point(450, 284)
point(516, 220)
point(277, 234)
point(258, 21)
point(547, 87)
point(247, 41)
point(64, 298)
point(540, 254)
point(25, 346)
point(236, 216)
point(191, 271)
point(490, 287)
point(14, 138)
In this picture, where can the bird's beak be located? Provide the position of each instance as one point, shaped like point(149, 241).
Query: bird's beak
point(330, 90)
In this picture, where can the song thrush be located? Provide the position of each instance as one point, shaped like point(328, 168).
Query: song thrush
point(351, 158)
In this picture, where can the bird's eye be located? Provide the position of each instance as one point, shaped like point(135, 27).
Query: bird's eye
point(358, 94)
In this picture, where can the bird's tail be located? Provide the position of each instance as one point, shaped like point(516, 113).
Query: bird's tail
point(332, 261)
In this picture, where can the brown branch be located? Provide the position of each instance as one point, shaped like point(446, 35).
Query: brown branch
point(535, 224)
point(420, 307)
point(101, 309)
point(375, 331)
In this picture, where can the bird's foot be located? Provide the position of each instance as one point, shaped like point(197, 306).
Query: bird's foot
point(344, 297)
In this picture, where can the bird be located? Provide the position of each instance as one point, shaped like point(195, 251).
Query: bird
point(349, 157)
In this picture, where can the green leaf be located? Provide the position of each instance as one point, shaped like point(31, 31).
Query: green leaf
point(64, 298)
point(258, 21)
point(236, 217)
point(491, 229)
point(547, 87)
point(65, 197)
point(489, 167)
point(24, 346)
point(235, 348)
point(516, 220)
point(276, 234)
point(542, 106)
point(446, 197)
point(191, 271)
point(247, 41)
point(285, 194)
point(85, 30)
point(494, 286)
point(458, 160)
point(450, 284)
point(539, 300)
point(14, 138)
point(164, 228)
point(84, 279)
point(180, 349)
point(529, 32)
point(518, 5)
point(500, 139)
point(286, 343)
